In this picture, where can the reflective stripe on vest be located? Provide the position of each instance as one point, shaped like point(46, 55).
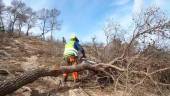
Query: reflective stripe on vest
point(70, 51)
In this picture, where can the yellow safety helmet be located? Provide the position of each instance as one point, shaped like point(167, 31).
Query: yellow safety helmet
point(74, 38)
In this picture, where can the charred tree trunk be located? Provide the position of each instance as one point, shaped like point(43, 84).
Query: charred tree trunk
point(12, 85)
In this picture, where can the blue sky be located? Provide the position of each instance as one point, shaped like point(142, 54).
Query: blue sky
point(85, 18)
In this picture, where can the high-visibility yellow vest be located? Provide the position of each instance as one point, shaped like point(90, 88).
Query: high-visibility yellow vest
point(70, 50)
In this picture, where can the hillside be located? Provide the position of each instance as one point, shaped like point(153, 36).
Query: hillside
point(18, 55)
point(22, 54)
point(19, 51)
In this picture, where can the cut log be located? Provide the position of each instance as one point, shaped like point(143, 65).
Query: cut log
point(12, 85)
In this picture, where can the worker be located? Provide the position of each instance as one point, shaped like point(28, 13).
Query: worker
point(72, 53)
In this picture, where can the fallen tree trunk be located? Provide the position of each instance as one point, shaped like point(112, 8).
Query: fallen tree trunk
point(12, 85)
point(9, 86)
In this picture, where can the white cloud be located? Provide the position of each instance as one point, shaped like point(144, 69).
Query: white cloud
point(137, 6)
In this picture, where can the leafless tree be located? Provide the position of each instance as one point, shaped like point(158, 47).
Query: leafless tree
point(95, 46)
point(31, 20)
point(48, 21)
point(54, 24)
point(112, 30)
point(150, 22)
point(114, 37)
point(2, 8)
point(14, 13)
point(18, 15)
point(44, 16)
point(22, 17)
